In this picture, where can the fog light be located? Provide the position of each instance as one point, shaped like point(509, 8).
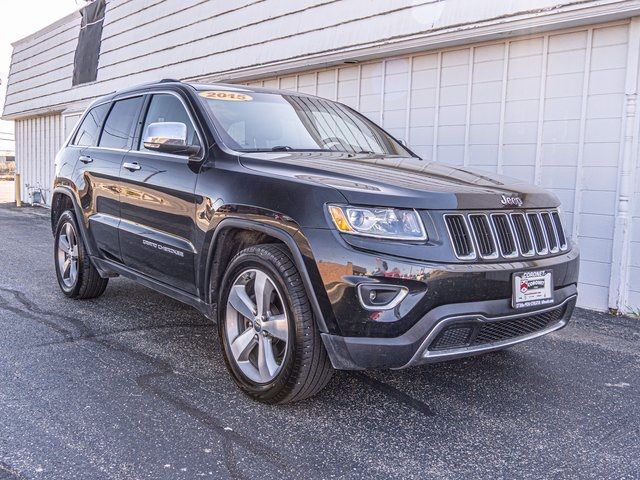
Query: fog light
point(374, 296)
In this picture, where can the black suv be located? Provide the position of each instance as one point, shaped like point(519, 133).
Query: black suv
point(316, 239)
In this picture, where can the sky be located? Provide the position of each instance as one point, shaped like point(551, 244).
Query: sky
point(21, 18)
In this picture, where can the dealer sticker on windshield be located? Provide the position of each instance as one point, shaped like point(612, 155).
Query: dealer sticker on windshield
point(226, 96)
point(531, 289)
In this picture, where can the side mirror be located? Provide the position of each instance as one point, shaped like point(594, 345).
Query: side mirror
point(168, 137)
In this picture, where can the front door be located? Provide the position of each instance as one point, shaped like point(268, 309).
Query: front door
point(157, 225)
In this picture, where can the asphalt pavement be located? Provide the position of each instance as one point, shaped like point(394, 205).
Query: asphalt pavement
point(132, 386)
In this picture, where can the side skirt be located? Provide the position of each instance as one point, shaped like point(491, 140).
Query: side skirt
point(104, 265)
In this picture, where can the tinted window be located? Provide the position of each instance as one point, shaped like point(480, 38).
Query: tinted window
point(168, 108)
point(118, 128)
point(87, 134)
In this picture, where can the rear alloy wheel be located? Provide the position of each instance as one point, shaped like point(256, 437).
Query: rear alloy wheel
point(270, 341)
point(68, 255)
point(77, 276)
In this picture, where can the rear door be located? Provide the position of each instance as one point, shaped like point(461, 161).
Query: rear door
point(99, 167)
point(96, 176)
point(158, 201)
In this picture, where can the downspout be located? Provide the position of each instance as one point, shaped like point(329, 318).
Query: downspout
point(620, 262)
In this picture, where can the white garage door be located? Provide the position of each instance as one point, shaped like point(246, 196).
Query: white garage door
point(546, 109)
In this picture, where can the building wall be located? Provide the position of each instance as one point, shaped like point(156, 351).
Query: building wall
point(38, 139)
point(454, 78)
point(146, 40)
point(543, 108)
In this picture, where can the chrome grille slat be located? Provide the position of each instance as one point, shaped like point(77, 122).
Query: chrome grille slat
point(562, 239)
point(483, 235)
point(550, 232)
point(523, 232)
point(504, 231)
point(538, 234)
point(512, 234)
point(460, 237)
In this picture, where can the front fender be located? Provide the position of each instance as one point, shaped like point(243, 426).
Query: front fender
point(285, 230)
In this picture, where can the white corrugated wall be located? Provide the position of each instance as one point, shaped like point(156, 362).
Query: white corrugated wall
point(38, 139)
point(545, 108)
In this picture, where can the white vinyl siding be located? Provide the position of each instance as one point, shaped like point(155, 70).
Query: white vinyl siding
point(147, 40)
point(38, 139)
point(549, 108)
point(546, 109)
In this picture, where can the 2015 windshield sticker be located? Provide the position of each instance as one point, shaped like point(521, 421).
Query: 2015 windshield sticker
point(226, 96)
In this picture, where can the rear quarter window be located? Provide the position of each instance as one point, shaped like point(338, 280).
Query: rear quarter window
point(87, 133)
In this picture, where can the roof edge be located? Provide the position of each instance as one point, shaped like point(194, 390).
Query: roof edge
point(519, 24)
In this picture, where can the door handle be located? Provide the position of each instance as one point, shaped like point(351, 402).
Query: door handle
point(85, 159)
point(131, 166)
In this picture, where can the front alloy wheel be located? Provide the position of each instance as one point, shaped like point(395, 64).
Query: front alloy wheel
point(270, 342)
point(257, 328)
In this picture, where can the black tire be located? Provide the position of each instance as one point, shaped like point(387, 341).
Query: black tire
point(306, 368)
point(87, 283)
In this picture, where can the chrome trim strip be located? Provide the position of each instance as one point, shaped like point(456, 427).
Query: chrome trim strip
point(400, 296)
point(132, 95)
point(144, 231)
point(423, 355)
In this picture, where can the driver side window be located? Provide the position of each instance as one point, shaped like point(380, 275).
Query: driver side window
point(168, 108)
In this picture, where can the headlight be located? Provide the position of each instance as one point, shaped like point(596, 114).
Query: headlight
point(391, 223)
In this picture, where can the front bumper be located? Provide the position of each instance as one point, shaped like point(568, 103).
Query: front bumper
point(416, 346)
point(437, 295)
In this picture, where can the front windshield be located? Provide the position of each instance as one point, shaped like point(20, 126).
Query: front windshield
point(252, 122)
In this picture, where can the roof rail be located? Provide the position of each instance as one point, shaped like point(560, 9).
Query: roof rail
point(169, 80)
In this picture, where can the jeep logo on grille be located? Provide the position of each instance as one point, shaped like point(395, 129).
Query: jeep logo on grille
point(513, 201)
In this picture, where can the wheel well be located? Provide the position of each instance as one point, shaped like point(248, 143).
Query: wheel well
point(228, 244)
point(59, 204)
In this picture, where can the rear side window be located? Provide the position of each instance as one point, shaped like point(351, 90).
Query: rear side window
point(119, 126)
point(87, 134)
point(168, 108)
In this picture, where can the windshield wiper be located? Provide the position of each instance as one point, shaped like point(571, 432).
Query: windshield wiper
point(284, 148)
point(281, 148)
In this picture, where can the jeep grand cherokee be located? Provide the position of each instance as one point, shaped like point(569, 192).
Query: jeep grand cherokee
point(314, 238)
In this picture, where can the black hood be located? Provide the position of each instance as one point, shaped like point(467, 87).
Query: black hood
point(401, 182)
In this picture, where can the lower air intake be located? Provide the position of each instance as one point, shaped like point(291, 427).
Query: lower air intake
point(477, 333)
